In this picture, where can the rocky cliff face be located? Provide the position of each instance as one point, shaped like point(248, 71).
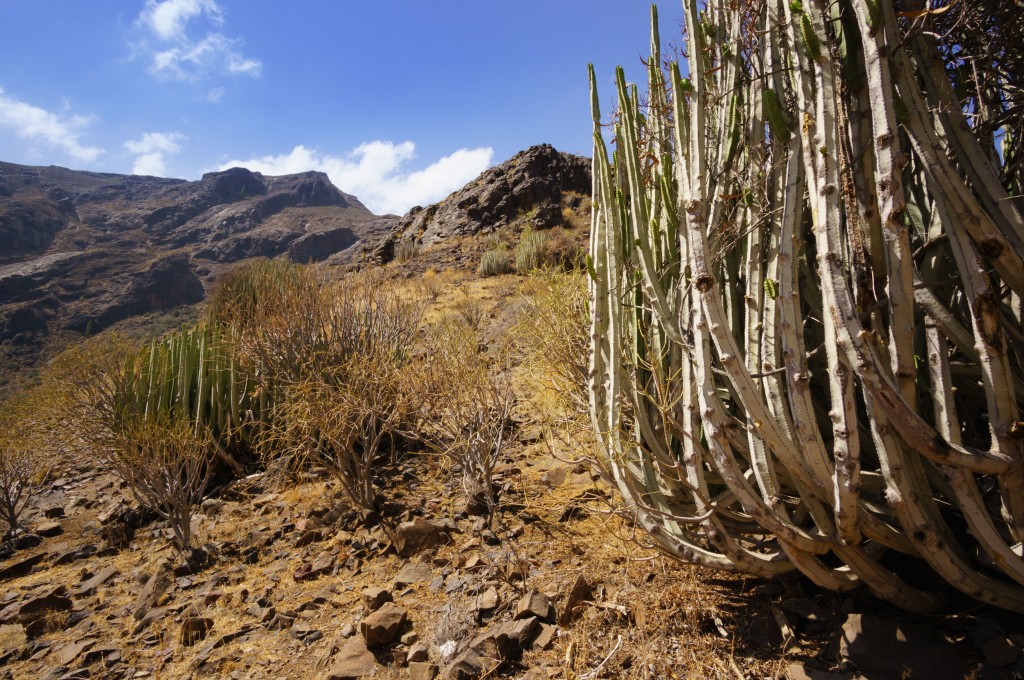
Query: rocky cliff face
point(539, 182)
point(82, 250)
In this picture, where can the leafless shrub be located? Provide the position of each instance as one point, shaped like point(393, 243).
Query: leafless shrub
point(19, 467)
point(167, 467)
point(465, 406)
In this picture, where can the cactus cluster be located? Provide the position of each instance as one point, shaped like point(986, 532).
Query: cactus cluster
point(806, 286)
point(193, 376)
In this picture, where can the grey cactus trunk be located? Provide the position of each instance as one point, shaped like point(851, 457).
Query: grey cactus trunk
point(806, 284)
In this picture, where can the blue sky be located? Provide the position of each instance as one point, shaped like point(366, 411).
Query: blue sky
point(400, 102)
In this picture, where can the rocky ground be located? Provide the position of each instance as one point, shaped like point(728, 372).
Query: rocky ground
point(295, 585)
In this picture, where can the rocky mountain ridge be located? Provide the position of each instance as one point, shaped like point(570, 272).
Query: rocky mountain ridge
point(81, 251)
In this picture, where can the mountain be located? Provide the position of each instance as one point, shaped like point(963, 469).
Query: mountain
point(84, 251)
point(81, 251)
point(540, 183)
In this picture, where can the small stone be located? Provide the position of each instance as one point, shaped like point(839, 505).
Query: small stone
point(89, 587)
point(412, 572)
point(353, 660)
point(535, 603)
point(21, 567)
point(347, 631)
point(55, 512)
point(375, 598)
point(49, 529)
point(194, 629)
point(580, 592)
point(422, 670)
point(311, 536)
point(545, 637)
point(410, 638)
point(487, 600)
point(418, 652)
point(382, 626)
point(467, 666)
point(155, 586)
point(417, 535)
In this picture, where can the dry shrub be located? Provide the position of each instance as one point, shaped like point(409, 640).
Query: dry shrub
point(349, 420)
point(331, 353)
point(563, 251)
point(465, 406)
point(551, 333)
point(20, 462)
point(167, 467)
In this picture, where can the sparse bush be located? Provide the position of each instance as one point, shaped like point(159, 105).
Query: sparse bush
point(19, 468)
point(167, 467)
point(562, 251)
point(496, 262)
point(241, 293)
point(432, 286)
point(406, 250)
point(471, 312)
point(329, 352)
point(465, 407)
point(552, 333)
point(531, 251)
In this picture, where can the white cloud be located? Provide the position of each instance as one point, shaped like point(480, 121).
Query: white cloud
point(42, 126)
point(152, 150)
point(374, 172)
point(184, 57)
point(168, 19)
point(215, 95)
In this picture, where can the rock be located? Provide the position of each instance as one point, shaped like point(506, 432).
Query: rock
point(1000, 651)
point(27, 541)
point(535, 603)
point(89, 587)
point(417, 535)
point(580, 592)
point(418, 652)
point(375, 598)
point(49, 529)
point(19, 568)
point(882, 648)
point(536, 178)
point(487, 600)
point(33, 612)
point(55, 512)
point(422, 670)
point(194, 629)
point(412, 572)
point(151, 617)
point(545, 637)
point(467, 666)
point(311, 536)
point(505, 640)
point(72, 650)
point(799, 671)
point(155, 586)
point(204, 654)
point(353, 660)
point(410, 638)
point(554, 477)
point(382, 626)
point(80, 553)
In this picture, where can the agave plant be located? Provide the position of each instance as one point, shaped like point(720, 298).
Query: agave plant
point(806, 305)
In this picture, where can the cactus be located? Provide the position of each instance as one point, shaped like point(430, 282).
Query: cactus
point(192, 376)
point(756, 386)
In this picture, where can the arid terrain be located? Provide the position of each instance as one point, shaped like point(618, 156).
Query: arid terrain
point(297, 584)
